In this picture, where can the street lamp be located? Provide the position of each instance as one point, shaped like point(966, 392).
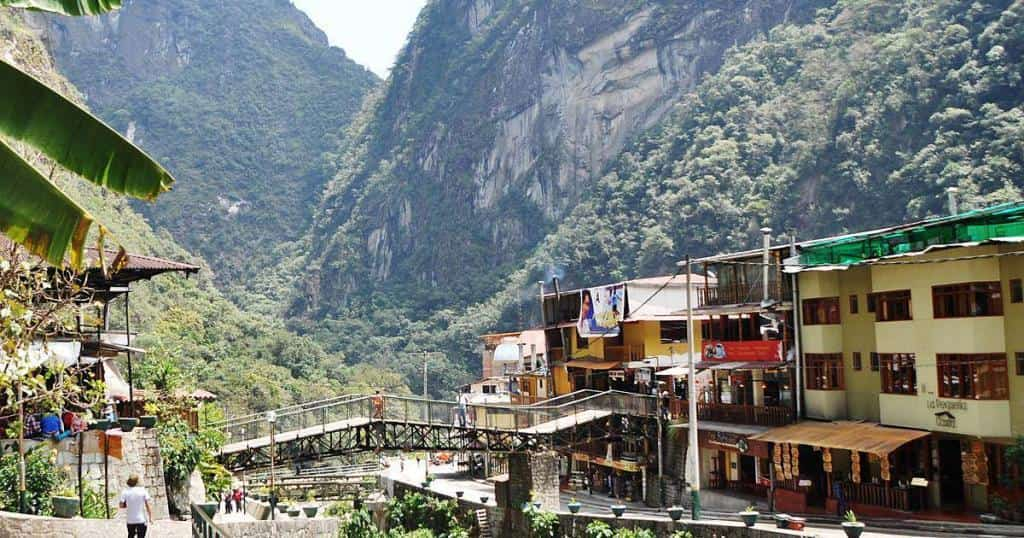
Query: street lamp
point(691, 389)
point(271, 417)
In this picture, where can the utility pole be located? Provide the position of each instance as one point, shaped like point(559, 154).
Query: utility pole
point(796, 331)
point(657, 399)
point(425, 375)
point(691, 388)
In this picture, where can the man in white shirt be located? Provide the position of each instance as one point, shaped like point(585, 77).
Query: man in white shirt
point(135, 499)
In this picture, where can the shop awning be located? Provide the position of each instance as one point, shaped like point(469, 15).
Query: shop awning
point(593, 365)
point(860, 436)
point(762, 365)
point(675, 371)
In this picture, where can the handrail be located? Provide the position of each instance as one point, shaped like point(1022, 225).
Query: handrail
point(203, 525)
point(299, 406)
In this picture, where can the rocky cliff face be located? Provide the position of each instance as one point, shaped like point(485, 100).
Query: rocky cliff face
point(240, 99)
point(495, 123)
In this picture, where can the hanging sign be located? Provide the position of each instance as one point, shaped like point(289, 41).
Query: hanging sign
point(601, 311)
point(752, 350)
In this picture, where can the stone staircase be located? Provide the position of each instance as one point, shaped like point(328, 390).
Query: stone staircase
point(483, 523)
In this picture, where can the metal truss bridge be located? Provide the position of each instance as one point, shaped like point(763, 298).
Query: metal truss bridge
point(359, 423)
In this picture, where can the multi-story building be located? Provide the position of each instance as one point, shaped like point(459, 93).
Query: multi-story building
point(913, 368)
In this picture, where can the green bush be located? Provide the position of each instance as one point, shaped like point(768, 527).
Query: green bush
point(93, 505)
point(682, 533)
point(358, 524)
point(42, 480)
point(542, 524)
point(599, 529)
point(634, 533)
point(414, 511)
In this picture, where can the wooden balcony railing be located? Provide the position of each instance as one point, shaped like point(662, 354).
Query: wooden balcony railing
point(757, 490)
point(627, 352)
point(879, 495)
point(740, 294)
point(527, 399)
point(756, 415)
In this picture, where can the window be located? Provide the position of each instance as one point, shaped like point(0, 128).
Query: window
point(854, 307)
point(672, 331)
point(857, 364)
point(871, 303)
point(977, 376)
point(892, 306)
point(899, 375)
point(1016, 291)
point(488, 389)
point(967, 300)
point(821, 311)
point(1020, 363)
point(874, 362)
point(824, 371)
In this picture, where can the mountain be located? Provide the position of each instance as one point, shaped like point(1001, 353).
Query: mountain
point(856, 116)
point(242, 100)
point(192, 333)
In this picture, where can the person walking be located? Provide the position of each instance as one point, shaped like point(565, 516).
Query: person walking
point(136, 501)
point(237, 496)
point(463, 403)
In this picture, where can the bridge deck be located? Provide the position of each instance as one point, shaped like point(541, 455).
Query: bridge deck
point(544, 428)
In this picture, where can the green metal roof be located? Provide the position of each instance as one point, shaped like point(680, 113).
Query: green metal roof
point(1000, 221)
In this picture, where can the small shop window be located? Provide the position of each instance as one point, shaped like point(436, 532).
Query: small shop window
point(973, 376)
point(972, 299)
point(1016, 291)
point(1020, 362)
point(824, 371)
point(899, 373)
point(871, 303)
point(821, 311)
point(854, 307)
point(874, 362)
point(672, 331)
point(857, 364)
point(893, 306)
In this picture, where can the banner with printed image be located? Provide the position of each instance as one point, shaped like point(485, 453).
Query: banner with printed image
point(601, 310)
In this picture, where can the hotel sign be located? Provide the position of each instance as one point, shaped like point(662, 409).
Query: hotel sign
point(752, 350)
point(944, 418)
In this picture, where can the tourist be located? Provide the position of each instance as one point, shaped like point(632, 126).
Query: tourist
point(136, 501)
point(237, 497)
point(664, 405)
point(463, 402)
point(378, 405)
point(227, 501)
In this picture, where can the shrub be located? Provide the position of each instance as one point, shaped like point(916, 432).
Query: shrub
point(634, 533)
point(542, 524)
point(598, 529)
point(42, 480)
point(414, 511)
point(682, 533)
point(358, 524)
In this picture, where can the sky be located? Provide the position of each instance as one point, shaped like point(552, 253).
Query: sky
point(372, 32)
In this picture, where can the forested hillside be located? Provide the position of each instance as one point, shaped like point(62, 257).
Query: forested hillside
point(856, 119)
point(242, 100)
point(195, 336)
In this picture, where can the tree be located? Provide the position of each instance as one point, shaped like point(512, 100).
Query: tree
point(33, 211)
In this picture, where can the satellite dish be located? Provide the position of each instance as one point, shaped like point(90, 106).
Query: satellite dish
point(507, 353)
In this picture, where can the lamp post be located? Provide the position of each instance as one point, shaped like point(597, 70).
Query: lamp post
point(691, 389)
point(272, 421)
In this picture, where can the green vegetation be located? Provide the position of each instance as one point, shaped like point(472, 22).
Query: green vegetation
point(600, 529)
point(543, 524)
point(42, 480)
point(246, 115)
point(415, 511)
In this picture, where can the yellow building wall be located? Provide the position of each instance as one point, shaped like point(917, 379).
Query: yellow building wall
point(864, 385)
point(646, 333)
point(1011, 267)
point(822, 404)
point(926, 336)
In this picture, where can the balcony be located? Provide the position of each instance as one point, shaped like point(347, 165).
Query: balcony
point(754, 415)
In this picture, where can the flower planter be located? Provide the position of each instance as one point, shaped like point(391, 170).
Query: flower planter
point(536, 504)
point(749, 518)
point(209, 509)
point(294, 512)
point(310, 511)
point(797, 523)
point(282, 507)
point(574, 507)
point(853, 529)
point(128, 423)
point(66, 507)
point(675, 512)
point(101, 425)
point(147, 421)
point(618, 509)
point(460, 493)
point(425, 484)
point(484, 499)
point(782, 521)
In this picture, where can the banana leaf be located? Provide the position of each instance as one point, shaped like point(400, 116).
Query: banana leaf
point(36, 214)
point(32, 113)
point(66, 7)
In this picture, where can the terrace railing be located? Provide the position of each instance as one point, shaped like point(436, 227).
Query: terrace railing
point(203, 525)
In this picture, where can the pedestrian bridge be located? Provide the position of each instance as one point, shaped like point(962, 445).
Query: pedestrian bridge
point(357, 423)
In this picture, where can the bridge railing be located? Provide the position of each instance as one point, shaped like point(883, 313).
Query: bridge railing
point(359, 410)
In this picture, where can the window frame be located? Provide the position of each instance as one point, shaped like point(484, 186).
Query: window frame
point(821, 311)
point(884, 300)
point(875, 361)
point(854, 304)
point(1016, 291)
point(961, 300)
point(661, 331)
point(969, 366)
point(907, 373)
point(857, 361)
point(1019, 360)
point(824, 371)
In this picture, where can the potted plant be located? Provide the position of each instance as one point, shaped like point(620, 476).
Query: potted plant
point(65, 503)
point(209, 508)
point(128, 423)
point(310, 510)
point(100, 424)
point(282, 507)
point(293, 512)
point(147, 421)
point(749, 516)
point(782, 521)
point(797, 523)
point(618, 509)
point(851, 526)
point(460, 493)
point(574, 506)
point(484, 499)
point(675, 512)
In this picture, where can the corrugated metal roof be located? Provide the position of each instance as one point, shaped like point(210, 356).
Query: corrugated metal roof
point(861, 436)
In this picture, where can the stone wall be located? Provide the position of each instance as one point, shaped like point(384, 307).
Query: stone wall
point(533, 477)
point(134, 452)
point(574, 527)
point(283, 528)
point(20, 525)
